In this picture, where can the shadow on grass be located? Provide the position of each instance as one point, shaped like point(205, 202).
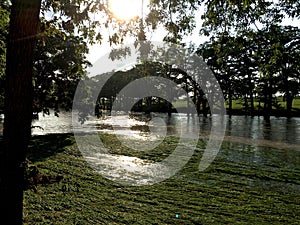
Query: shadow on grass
point(43, 146)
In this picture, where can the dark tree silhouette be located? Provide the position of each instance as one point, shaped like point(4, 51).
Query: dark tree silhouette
point(23, 28)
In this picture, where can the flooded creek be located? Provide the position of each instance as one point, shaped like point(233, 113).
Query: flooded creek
point(272, 146)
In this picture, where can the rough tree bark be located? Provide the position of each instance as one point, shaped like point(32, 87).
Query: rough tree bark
point(23, 28)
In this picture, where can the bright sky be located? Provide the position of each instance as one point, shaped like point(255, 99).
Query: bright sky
point(130, 8)
point(127, 9)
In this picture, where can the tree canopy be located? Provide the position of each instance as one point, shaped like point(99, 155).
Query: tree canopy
point(251, 51)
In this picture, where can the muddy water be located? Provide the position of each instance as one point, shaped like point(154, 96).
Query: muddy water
point(273, 145)
point(279, 133)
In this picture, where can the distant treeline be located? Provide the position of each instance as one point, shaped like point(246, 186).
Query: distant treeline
point(238, 99)
point(256, 66)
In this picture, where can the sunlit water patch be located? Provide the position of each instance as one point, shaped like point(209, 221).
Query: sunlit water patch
point(282, 133)
point(126, 169)
point(251, 145)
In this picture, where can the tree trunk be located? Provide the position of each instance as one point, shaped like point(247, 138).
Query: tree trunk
point(198, 104)
point(229, 103)
point(251, 97)
point(246, 105)
point(251, 104)
point(23, 27)
point(204, 108)
point(169, 109)
point(289, 103)
point(269, 100)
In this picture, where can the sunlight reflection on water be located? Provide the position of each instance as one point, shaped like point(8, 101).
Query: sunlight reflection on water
point(250, 138)
point(247, 130)
point(127, 169)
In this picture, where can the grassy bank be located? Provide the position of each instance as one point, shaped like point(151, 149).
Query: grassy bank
point(238, 107)
point(244, 185)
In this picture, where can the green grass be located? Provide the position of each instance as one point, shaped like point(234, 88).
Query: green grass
point(238, 104)
point(296, 103)
point(244, 185)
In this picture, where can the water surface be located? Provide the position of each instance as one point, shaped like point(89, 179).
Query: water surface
point(279, 132)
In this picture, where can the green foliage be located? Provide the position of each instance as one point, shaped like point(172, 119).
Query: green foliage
point(87, 19)
point(66, 27)
point(112, 83)
point(59, 65)
point(176, 16)
point(291, 8)
point(246, 40)
point(250, 52)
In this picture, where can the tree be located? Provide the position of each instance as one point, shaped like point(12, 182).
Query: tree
point(59, 64)
point(260, 53)
point(69, 17)
point(23, 28)
point(279, 63)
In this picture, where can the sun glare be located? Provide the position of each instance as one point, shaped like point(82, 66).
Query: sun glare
point(125, 9)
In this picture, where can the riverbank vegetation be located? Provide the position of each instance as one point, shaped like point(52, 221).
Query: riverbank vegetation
point(238, 107)
point(240, 187)
point(239, 102)
point(279, 109)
